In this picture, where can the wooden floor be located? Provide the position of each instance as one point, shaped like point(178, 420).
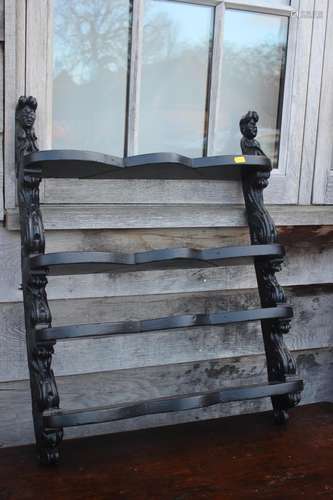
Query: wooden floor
point(241, 457)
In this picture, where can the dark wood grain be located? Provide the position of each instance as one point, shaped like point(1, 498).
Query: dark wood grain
point(236, 458)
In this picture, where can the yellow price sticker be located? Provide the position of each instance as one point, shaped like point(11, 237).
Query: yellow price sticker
point(239, 159)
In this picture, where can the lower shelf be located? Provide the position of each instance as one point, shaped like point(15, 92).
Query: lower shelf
point(70, 418)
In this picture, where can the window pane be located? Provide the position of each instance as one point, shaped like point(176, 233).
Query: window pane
point(176, 51)
point(253, 68)
point(90, 53)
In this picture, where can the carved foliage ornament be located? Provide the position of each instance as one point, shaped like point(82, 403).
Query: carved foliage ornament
point(280, 363)
point(37, 312)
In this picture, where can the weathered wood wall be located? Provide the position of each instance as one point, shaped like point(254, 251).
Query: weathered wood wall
point(124, 368)
point(160, 363)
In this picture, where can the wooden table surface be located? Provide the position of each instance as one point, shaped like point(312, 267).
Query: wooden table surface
point(241, 457)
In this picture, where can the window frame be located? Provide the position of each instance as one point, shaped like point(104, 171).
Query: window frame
point(29, 29)
point(323, 172)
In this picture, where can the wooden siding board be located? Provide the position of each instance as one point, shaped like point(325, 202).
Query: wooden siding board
point(311, 328)
point(293, 131)
point(38, 65)
point(1, 92)
point(313, 101)
point(168, 192)
point(92, 217)
point(2, 211)
point(315, 366)
point(2, 20)
point(324, 153)
point(308, 261)
point(14, 86)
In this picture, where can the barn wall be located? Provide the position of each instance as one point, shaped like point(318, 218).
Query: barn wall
point(104, 371)
point(99, 372)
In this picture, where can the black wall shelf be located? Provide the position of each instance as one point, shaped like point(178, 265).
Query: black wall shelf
point(252, 168)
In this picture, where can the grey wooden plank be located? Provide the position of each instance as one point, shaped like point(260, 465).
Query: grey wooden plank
point(2, 20)
point(315, 367)
point(294, 105)
point(311, 328)
point(14, 86)
point(308, 261)
point(10, 271)
point(1, 88)
point(313, 101)
point(132, 240)
point(303, 266)
point(329, 188)
point(9, 100)
point(2, 199)
point(39, 65)
point(324, 152)
point(159, 192)
point(168, 216)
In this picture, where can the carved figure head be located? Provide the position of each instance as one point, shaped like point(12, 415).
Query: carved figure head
point(248, 124)
point(26, 111)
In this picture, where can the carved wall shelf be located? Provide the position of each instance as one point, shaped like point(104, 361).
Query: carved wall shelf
point(252, 169)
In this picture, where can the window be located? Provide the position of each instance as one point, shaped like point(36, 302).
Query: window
point(130, 76)
point(253, 74)
point(90, 74)
point(175, 65)
point(173, 49)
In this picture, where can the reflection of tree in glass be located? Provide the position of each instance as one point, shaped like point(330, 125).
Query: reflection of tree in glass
point(90, 66)
point(93, 36)
point(90, 35)
point(91, 62)
point(252, 78)
point(174, 79)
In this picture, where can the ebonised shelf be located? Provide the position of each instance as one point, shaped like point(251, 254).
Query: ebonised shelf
point(70, 418)
point(252, 169)
point(61, 263)
point(90, 165)
point(167, 323)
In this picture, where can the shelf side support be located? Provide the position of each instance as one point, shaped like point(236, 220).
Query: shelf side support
point(281, 366)
point(44, 393)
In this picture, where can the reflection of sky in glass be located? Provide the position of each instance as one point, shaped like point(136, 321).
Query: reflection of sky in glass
point(90, 50)
point(189, 22)
point(90, 75)
point(176, 43)
point(253, 65)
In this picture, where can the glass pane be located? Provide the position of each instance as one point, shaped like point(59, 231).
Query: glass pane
point(90, 54)
point(176, 52)
point(253, 68)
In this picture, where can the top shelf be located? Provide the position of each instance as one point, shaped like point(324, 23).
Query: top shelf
point(77, 164)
